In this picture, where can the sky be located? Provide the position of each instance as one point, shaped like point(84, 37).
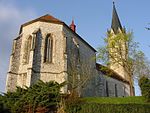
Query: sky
point(92, 19)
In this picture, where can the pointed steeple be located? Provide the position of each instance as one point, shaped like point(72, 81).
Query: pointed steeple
point(116, 24)
point(73, 26)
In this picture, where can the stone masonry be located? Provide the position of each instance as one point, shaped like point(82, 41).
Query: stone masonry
point(72, 60)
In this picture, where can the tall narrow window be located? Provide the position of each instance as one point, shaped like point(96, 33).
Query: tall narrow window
point(27, 48)
point(48, 49)
point(116, 91)
point(124, 89)
point(107, 91)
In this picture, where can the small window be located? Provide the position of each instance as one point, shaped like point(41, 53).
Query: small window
point(48, 49)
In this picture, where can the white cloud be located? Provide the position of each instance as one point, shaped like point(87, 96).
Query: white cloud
point(11, 17)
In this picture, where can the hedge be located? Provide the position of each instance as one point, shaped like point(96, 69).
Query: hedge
point(108, 108)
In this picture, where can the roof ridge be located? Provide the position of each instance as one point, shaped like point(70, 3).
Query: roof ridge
point(46, 17)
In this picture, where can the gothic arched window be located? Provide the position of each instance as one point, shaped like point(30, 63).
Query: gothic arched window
point(27, 48)
point(48, 49)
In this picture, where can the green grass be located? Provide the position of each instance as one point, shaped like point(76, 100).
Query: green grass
point(118, 100)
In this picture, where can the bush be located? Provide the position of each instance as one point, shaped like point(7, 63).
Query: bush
point(3, 108)
point(144, 84)
point(72, 102)
point(40, 97)
point(118, 100)
point(109, 105)
point(111, 108)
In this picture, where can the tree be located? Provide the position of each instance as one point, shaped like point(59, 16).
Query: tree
point(120, 49)
point(80, 71)
point(144, 84)
point(78, 77)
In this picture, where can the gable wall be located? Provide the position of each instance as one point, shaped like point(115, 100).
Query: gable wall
point(85, 65)
point(36, 68)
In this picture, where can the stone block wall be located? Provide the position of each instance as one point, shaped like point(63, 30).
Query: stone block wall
point(70, 53)
point(40, 69)
point(115, 88)
point(81, 63)
point(37, 68)
point(11, 81)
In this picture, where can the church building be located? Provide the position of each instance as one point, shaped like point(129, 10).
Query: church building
point(50, 50)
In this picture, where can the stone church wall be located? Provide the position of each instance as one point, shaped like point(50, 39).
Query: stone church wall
point(16, 55)
point(70, 53)
point(47, 71)
point(115, 88)
point(81, 58)
point(101, 85)
point(14, 65)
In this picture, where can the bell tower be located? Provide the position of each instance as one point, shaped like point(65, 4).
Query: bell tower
point(118, 49)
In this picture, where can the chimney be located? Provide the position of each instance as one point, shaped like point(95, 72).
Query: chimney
point(73, 26)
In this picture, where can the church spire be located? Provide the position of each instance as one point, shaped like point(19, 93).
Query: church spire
point(116, 24)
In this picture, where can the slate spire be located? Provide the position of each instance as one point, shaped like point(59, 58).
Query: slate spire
point(116, 24)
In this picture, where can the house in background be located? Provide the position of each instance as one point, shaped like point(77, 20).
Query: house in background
point(48, 49)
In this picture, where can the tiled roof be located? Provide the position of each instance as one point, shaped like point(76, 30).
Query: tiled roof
point(49, 18)
point(110, 73)
point(46, 18)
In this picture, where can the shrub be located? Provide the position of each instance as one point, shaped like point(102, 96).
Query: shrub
point(144, 84)
point(3, 108)
point(111, 108)
point(72, 102)
point(109, 105)
point(40, 97)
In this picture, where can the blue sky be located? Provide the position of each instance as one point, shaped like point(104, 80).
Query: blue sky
point(92, 18)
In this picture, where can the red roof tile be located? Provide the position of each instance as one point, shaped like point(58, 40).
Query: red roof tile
point(46, 18)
